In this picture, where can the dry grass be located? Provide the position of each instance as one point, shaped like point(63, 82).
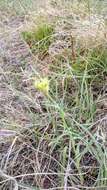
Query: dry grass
point(57, 141)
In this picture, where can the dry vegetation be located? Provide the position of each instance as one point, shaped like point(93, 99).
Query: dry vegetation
point(53, 95)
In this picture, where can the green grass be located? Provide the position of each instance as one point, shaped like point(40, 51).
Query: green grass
point(75, 123)
point(40, 38)
point(72, 119)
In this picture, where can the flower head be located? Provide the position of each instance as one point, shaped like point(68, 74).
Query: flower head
point(42, 85)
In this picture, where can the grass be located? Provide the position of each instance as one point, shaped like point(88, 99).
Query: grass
point(58, 119)
point(40, 38)
point(20, 7)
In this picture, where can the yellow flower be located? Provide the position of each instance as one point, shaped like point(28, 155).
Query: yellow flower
point(42, 85)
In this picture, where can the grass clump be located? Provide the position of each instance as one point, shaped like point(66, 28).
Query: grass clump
point(40, 38)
